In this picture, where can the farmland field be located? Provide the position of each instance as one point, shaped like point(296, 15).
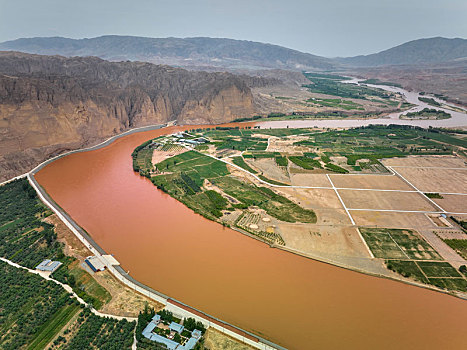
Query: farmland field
point(293, 187)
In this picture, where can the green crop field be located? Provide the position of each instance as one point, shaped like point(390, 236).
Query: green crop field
point(407, 269)
point(411, 256)
point(49, 330)
point(184, 176)
point(438, 269)
point(459, 284)
point(95, 332)
point(274, 182)
point(427, 113)
point(27, 240)
point(241, 163)
point(398, 243)
point(459, 245)
point(282, 161)
point(330, 85)
point(33, 309)
point(335, 103)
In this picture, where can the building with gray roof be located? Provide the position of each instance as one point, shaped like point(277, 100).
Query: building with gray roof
point(176, 327)
point(48, 265)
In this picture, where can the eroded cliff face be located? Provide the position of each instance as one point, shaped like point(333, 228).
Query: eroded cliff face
point(51, 104)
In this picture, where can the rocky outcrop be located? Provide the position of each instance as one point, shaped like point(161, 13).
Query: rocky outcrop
point(49, 104)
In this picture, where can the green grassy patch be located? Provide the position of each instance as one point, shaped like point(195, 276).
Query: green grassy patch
point(398, 243)
point(331, 86)
point(274, 204)
point(336, 103)
point(407, 269)
point(433, 195)
point(379, 82)
point(427, 113)
point(274, 182)
point(458, 284)
point(305, 162)
point(438, 269)
point(430, 101)
point(50, 329)
point(282, 161)
point(241, 163)
point(459, 245)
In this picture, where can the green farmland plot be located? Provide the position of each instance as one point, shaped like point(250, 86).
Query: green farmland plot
point(407, 269)
point(459, 245)
point(458, 284)
point(406, 253)
point(241, 163)
point(438, 269)
point(381, 244)
point(398, 243)
point(33, 309)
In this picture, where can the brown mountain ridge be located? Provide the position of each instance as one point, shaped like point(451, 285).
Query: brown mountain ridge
point(49, 104)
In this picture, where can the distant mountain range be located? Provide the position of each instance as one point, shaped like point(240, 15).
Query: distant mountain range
point(422, 51)
point(188, 52)
point(209, 53)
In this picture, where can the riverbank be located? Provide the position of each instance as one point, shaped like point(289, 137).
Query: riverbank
point(158, 229)
point(178, 308)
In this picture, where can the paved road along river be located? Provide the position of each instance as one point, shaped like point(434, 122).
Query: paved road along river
point(296, 302)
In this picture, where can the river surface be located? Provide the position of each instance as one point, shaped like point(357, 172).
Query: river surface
point(296, 302)
point(458, 119)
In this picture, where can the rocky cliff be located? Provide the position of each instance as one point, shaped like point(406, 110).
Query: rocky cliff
point(49, 104)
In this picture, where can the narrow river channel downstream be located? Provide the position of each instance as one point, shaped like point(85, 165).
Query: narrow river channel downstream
point(296, 302)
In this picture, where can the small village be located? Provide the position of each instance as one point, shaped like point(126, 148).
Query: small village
point(165, 329)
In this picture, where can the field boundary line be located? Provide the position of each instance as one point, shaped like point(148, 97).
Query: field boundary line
point(365, 243)
point(423, 194)
point(423, 272)
point(407, 211)
point(424, 167)
point(398, 246)
point(342, 202)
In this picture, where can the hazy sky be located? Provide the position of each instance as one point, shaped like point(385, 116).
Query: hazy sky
point(329, 27)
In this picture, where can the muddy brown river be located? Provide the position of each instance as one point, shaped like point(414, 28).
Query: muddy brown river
point(296, 302)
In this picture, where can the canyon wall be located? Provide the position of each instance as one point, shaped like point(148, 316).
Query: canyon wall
point(50, 104)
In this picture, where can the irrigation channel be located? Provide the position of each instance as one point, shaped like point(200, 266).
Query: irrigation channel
point(292, 301)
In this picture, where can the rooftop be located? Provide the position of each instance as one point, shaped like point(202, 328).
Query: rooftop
point(95, 263)
point(167, 342)
point(176, 327)
point(48, 265)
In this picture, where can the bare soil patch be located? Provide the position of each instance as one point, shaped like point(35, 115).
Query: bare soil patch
point(450, 234)
point(380, 182)
point(159, 156)
point(445, 161)
point(286, 145)
point(309, 179)
point(385, 200)
point(269, 168)
point(333, 240)
point(391, 219)
point(72, 245)
point(453, 203)
point(313, 198)
point(332, 217)
point(216, 340)
point(437, 220)
point(125, 301)
point(436, 180)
